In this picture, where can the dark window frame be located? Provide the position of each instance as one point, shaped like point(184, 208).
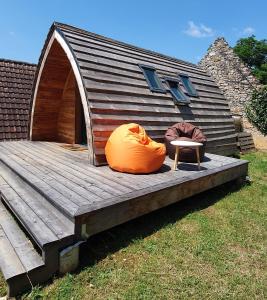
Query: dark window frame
point(192, 94)
point(184, 101)
point(161, 88)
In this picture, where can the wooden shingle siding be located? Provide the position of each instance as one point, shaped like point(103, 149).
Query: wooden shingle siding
point(16, 79)
point(117, 92)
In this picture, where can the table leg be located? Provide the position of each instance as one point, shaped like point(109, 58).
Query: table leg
point(198, 158)
point(176, 158)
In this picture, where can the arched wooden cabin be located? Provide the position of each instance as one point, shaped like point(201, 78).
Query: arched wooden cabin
point(86, 85)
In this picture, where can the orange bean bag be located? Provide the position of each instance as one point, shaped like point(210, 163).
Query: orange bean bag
point(129, 149)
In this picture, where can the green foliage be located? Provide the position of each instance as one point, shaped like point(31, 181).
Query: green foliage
point(3, 287)
point(35, 294)
point(261, 73)
point(256, 110)
point(253, 52)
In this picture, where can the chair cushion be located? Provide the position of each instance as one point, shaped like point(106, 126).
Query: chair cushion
point(129, 149)
point(186, 132)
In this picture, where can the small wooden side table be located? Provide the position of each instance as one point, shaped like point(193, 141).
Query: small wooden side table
point(188, 144)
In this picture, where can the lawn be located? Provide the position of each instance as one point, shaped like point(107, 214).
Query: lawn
point(211, 246)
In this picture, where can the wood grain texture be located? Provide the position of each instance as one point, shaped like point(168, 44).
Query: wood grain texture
point(24, 249)
point(76, 187)
point(117, 93)
point(49, 95)
point(119, 212)
point(245, 142)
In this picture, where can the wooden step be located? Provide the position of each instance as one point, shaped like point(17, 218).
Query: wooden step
point(19, 261)
point(245, 142)
point(46, 225)
point(34, 179)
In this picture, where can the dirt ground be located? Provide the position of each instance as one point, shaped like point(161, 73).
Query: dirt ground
point(260, 142)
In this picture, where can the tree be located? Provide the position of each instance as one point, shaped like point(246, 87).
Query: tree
point(253, 53)
point(256, 110)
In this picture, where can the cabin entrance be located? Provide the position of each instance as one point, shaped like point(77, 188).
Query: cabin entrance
point(71, 123)
point(80, 126)
point(58, 112)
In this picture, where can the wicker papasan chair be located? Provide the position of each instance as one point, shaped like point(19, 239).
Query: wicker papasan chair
point(185, 132)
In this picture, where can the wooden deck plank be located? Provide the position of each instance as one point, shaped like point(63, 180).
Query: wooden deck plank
point(51, 160)
point(44, 188)
point(40, 232)
point(165, 195)
point(88, 171)
point(140, 180)
point(103, 174)
point(8, 254)
point(47, 165)
point(130, 206)
point(54, 220)
point(172, 182)
point(152, 178)
point(80, 164)
point(133, 180)
point(48, 179)
point(80, 169)
point(28, 256)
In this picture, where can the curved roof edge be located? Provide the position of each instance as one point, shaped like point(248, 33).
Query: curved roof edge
point(147, 51)
point(56, 34)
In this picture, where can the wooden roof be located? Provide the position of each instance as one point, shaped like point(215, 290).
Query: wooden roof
point(116, 91)
point(16, 80)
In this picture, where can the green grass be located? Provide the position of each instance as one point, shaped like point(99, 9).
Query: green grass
point(211, 246)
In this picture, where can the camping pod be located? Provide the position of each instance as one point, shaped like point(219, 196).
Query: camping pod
point(86, 85)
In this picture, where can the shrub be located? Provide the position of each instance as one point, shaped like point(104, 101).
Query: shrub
point(256, 110)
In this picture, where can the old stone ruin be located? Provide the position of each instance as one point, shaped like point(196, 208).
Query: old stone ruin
point(236, 82)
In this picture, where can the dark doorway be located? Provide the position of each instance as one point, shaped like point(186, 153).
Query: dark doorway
point(80, 126)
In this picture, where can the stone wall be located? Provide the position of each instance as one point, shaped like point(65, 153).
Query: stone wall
point(232, 76)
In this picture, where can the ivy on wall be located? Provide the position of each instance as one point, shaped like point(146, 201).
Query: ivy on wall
point(256, 110)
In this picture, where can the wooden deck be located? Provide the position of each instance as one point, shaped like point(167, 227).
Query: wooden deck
point(58, 198)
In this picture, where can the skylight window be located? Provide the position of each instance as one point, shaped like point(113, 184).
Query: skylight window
point(188, 85)
point(152, 79)
point(176, 91)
